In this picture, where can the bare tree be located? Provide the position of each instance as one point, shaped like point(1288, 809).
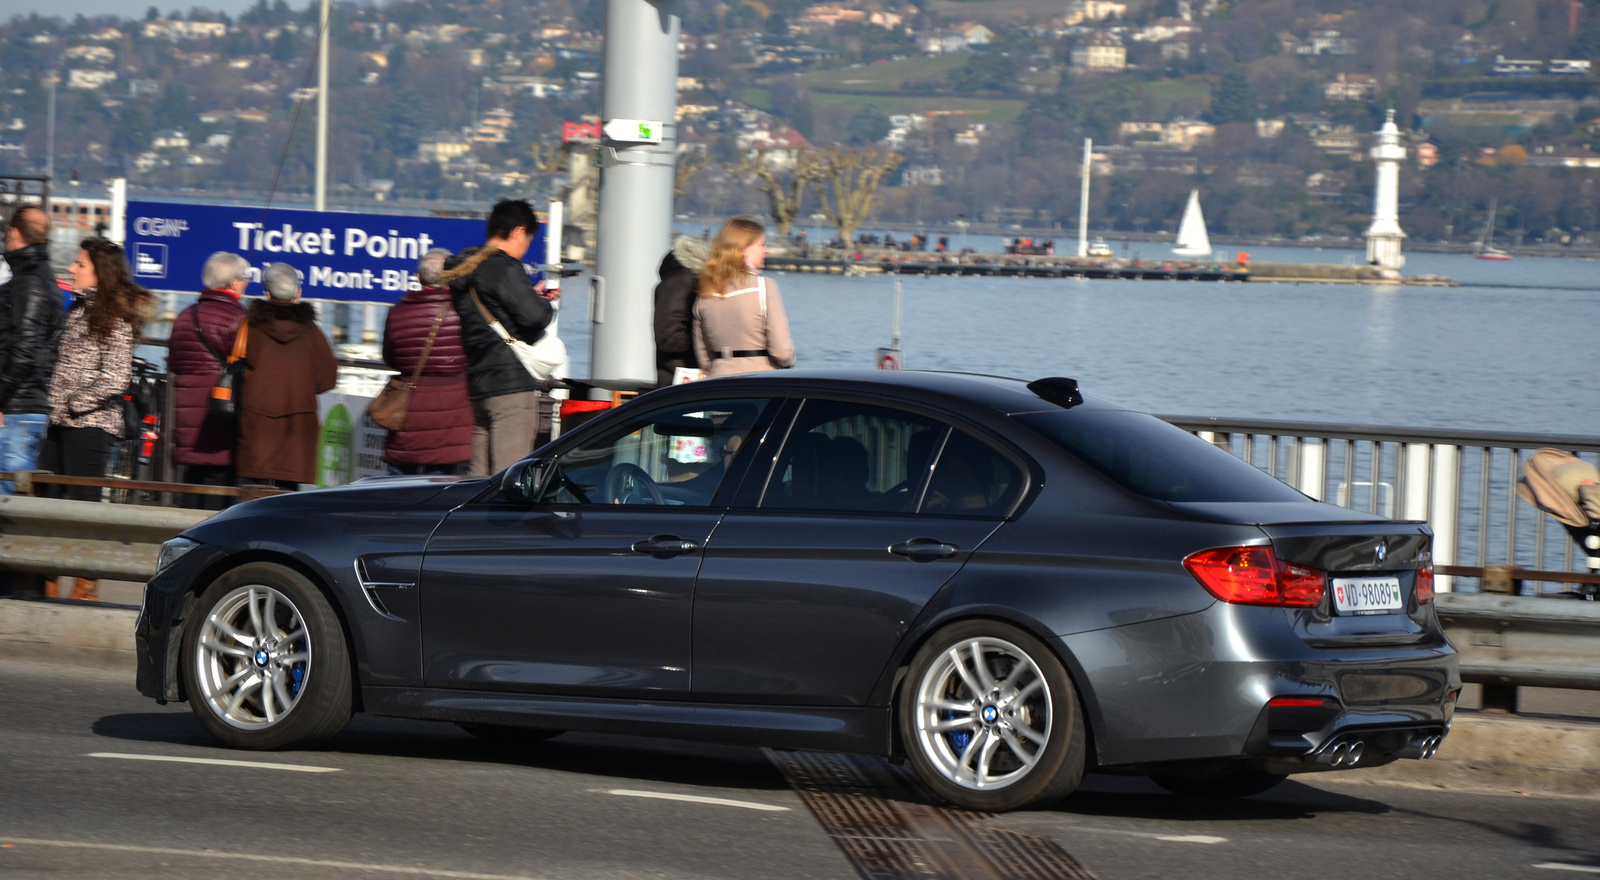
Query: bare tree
point(785, 188)
point(690, 163)
point(850, 179)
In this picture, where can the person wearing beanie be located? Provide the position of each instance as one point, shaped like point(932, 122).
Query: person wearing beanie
point(675, 295)
point(288, 363)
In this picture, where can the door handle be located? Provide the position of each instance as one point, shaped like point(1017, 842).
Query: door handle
point(665, 545)
point(924, 547)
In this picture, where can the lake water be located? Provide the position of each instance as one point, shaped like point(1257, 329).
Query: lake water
point(1515, 348)
point(1512, 349)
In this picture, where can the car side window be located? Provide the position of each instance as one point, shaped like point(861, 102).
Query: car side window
point(972, 479)
point(844, 456)
point(674, 457)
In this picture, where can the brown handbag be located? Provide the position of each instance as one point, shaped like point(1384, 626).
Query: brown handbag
point(388, 409)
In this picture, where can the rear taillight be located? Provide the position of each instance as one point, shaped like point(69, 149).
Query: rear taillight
point(1254, 576)
point(1297, 702)
point(1425, 582)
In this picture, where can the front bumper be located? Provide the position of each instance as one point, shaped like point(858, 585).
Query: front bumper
point(158, 634)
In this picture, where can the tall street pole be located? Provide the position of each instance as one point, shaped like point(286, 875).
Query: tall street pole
point(50, 128)
point(1083, 199)
point(322, 109)
point(634, 225)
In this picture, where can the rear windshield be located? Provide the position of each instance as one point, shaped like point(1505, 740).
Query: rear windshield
point(1155, 459)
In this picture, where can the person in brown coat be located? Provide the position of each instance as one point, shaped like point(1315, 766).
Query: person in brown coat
point(739, 322)
point(289, 362)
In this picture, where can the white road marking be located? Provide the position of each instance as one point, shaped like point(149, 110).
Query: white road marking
point(1151, 835)
point(251, 857)
point(1563, 866)
point(216, 762)
point(695, 799)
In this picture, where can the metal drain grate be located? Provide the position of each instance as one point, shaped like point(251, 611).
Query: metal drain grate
point(889, 831)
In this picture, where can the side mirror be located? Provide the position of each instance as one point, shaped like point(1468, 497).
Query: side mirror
point(524, 481)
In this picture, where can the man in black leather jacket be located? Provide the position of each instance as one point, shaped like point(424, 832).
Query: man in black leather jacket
point(505, 396)
point(30, 331)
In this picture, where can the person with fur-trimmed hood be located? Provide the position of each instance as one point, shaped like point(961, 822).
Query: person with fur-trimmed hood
point(505, 396)
point(288, 363)
point(680, 282)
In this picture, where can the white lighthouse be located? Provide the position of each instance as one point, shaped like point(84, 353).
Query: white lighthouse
point(1383, 237)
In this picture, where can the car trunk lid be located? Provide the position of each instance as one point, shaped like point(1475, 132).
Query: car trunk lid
point(1371, 570)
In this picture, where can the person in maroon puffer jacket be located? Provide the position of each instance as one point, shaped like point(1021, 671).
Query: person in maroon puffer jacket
point(202, 444)
point(437, 435)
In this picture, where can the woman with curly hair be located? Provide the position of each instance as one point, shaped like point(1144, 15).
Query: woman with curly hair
point(739, 322)
point(93, 368)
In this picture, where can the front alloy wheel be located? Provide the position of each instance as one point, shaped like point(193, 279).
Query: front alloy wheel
point(990, 719)
point(264, 660)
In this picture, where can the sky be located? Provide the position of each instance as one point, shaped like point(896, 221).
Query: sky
point(124, 8)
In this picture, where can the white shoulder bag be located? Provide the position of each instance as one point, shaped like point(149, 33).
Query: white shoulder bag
point(540, 358)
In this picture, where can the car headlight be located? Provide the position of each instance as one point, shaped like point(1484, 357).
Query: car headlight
point(174, 550)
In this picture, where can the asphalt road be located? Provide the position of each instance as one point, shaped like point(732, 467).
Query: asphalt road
point(406, 798)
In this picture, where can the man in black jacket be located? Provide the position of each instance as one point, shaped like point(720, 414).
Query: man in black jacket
point(30, 331)
point(505, 396)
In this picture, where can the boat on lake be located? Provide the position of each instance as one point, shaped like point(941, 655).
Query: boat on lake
point(1485, 249)
point(1192, 238)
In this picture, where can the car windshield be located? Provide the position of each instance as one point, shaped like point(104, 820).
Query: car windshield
point(1156, 459)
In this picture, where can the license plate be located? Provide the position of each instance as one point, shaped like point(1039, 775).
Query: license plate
point(1376, 595)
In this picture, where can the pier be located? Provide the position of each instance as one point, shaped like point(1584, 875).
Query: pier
point(1008, 266)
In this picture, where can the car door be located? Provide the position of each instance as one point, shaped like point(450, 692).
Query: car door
point(585, 587)
point(813, 578)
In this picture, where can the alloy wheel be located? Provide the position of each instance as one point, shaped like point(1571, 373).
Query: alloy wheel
point(983, 713)
point(253, 658)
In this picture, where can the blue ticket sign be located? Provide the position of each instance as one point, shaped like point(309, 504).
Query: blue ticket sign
point(340, 256)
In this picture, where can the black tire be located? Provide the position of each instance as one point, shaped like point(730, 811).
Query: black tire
point(1057, 765)
point(508, 735)
point(1237, 783)
point(316, 689)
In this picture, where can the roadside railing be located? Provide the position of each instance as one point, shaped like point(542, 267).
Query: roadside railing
point(1462, 483)
point(49, 536)
point(1507, 642)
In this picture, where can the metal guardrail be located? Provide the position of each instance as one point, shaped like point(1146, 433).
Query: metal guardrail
point(27, 482)
point(1463, 483)
point(85, 538)
point(1508, 642)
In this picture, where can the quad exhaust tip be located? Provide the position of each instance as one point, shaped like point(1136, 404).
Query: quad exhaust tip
point(1345, 754)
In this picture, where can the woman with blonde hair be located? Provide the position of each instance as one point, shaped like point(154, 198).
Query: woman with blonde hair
point(739, 322)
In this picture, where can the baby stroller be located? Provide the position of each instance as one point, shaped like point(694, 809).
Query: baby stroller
point(1568, 488)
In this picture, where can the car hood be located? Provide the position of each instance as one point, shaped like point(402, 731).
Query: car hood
point(379, 493)
point(1265, 513)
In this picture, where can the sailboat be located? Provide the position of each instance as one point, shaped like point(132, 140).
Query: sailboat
point(1485, 249)
point(1192, 238)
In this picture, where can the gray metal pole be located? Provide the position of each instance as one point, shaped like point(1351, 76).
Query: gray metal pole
point(1083, 199)
point(50, 130)
point(634, 228)
point(322, 109)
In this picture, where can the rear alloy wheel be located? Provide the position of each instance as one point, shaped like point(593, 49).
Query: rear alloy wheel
point(1237, 783)
point(990, 719)
point(264, 660)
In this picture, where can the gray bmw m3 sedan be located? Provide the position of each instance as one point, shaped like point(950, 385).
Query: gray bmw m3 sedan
point(1006, 583)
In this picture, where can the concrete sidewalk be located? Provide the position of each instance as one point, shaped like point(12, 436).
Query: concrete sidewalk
point(1544, 754)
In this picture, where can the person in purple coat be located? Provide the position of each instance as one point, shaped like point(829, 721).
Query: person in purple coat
point(203, 444)
point(437, 435)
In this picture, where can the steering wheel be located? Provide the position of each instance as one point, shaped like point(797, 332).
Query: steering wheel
point(629, 484)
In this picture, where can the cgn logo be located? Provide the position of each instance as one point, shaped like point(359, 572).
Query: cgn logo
point(160, 227)
point(150, 260)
